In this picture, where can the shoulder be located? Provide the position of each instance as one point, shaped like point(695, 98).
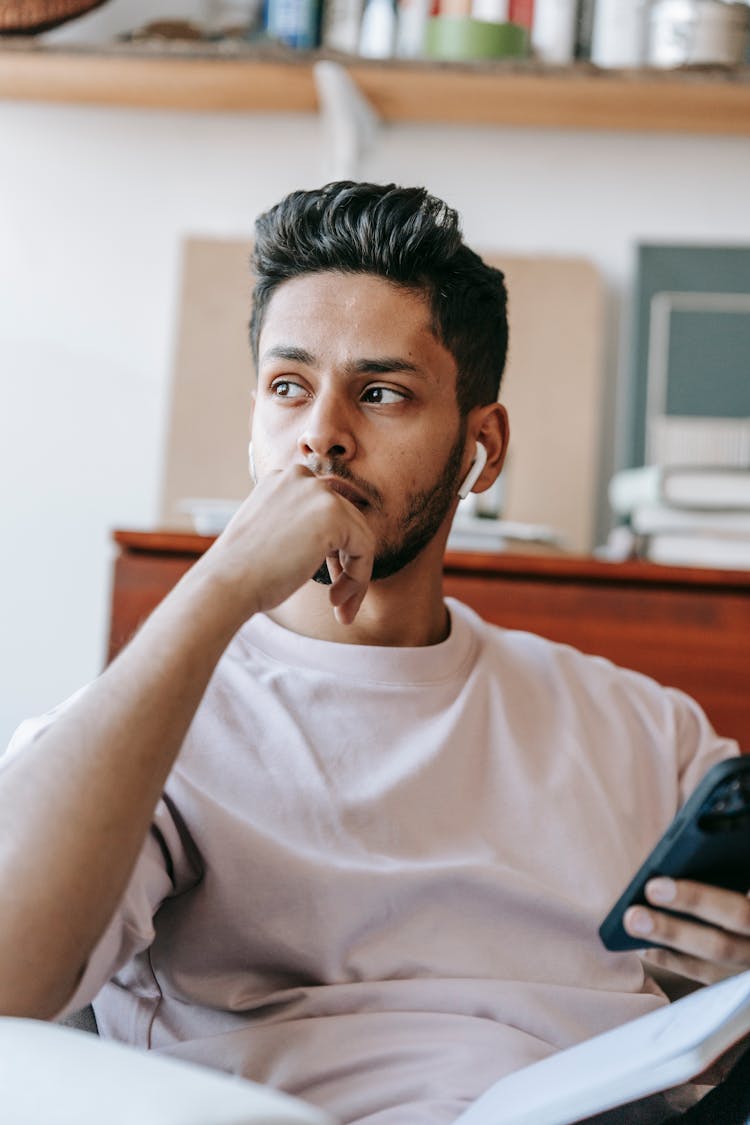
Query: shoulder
point(586, 691)
point(529, 654)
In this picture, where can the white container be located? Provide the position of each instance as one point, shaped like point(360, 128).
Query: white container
point(378, 35)
point(697, 31)
point(412, 24)
point(342, 23)
point(619, 33)
point(553, 31)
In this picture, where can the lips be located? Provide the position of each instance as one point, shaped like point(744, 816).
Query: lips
point(351, 494)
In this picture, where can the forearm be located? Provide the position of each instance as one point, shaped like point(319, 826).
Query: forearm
point(76, 805)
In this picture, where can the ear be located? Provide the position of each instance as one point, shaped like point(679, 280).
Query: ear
point(253, 396)
point(489, 426)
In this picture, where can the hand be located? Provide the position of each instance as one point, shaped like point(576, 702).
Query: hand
point(291, 524)
point(705, 953)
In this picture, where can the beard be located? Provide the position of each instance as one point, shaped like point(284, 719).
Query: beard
point(424, 516)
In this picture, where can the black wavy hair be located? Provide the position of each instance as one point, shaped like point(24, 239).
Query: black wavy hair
point(406, 236)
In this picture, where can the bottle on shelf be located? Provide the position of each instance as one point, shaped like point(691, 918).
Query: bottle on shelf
point(377, 39)
point(553, 30)
point(619, 33)
point(294, 22)
point(342, 23)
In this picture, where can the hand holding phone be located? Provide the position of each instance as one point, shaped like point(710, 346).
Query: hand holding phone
point(708, 842)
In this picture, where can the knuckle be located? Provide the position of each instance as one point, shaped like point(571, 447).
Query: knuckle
point(721, 946)
point(666, 932)
point(741, 914)
point(689, 894)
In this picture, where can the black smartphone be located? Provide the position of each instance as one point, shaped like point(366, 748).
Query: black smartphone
point(708, 840)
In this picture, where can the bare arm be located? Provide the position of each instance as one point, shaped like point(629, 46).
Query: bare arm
point(76, 806)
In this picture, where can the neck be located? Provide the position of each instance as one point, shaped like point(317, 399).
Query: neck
point(405, 610)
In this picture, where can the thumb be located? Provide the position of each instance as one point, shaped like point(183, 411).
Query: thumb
point(350, 578)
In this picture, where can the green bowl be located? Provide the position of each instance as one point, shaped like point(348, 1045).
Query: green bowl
point(461, 37)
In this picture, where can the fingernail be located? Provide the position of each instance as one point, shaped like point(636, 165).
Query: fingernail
point(661, 890)
point(638, 921)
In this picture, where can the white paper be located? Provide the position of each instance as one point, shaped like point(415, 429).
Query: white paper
point(647, 1055)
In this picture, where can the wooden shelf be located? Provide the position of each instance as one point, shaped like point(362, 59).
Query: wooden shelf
point(246, 80)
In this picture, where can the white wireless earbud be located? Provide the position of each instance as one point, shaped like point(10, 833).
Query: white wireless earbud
point(474, 473)
point(251, 462)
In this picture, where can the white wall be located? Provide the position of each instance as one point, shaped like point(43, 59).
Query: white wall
point(93, 205)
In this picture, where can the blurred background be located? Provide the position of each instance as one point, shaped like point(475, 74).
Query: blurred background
point(102, 207)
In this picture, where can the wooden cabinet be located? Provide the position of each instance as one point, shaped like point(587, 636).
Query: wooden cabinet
point(687, 628)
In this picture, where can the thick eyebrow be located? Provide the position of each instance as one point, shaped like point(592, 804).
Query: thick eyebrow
point(383, 366)
point(380, 366)
point(294, 355)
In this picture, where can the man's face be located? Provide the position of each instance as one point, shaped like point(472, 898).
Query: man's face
point(353, 384)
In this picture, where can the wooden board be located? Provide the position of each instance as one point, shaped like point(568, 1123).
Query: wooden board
point(713, 101)
point(212, 379)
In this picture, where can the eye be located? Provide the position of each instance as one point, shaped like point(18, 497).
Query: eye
point(286, 388)
point(383, 396)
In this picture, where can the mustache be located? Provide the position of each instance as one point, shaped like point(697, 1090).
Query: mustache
point(330, 467)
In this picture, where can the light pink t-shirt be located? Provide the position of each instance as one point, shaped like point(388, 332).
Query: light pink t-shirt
point(378, 873)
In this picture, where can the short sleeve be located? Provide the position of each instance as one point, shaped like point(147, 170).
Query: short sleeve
point(30, 729)
point(168, 864)
point(698, 745)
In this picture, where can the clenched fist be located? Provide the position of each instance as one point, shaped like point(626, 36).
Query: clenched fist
point(290, 525)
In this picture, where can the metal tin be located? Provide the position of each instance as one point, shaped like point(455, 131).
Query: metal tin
point(697, 31)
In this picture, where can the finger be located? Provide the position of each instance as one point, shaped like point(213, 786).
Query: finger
point(693, 968)
point(334, 567)
point(720, 907)
point(357, 567)
point(344, 587)
point(708, 943)
point(349, 588)
point(347, 598)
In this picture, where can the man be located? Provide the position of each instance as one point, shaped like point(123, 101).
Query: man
point(379, 833)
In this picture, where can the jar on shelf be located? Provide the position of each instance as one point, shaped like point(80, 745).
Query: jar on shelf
point(708, 32)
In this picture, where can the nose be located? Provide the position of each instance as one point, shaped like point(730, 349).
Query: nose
point(328, 432)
